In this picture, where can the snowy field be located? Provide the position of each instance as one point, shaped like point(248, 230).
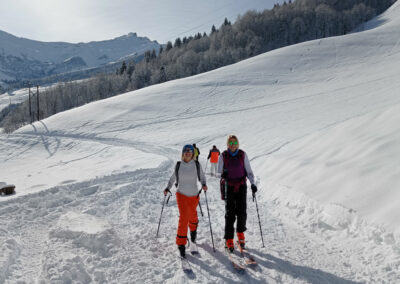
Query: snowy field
point(17, 97)
point(319, 122)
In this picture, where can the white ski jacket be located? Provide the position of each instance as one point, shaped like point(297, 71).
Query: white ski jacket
point(187, 175)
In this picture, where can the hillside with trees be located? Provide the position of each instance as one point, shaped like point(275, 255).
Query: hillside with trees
point(252, 34)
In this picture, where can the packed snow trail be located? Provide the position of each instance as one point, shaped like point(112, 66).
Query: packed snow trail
point(103, 231)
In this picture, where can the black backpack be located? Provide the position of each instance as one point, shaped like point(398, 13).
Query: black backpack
point(178, 164)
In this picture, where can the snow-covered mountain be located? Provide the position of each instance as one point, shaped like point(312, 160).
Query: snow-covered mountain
point(319, 122)
point(22, 58)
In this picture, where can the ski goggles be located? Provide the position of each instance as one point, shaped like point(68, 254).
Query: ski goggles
point(187, 148)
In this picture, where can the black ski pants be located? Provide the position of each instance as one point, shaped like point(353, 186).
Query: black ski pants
point(235, 207)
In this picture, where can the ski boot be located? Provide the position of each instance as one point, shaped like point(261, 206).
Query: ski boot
point(182, 251)
point(229, 245)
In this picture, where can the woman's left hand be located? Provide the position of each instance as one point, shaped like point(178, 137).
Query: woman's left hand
point(205, 187)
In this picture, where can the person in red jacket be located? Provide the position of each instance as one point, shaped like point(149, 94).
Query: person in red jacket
point(213, 156)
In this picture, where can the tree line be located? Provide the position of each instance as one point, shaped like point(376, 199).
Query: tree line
point(252, 34)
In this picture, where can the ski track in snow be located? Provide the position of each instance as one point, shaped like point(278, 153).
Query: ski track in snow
point(36, 248)
point(126, 251)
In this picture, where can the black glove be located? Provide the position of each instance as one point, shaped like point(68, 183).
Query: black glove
point(253, 188)
point(166, 191)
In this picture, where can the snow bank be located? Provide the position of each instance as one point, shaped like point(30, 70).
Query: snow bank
point(345, 177)
point(77, 240)
point(85, 231)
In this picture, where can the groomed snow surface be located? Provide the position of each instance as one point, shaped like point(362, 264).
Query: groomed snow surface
point(320, 123)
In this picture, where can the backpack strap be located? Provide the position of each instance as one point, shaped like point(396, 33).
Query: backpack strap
point(241, 153)
point(178, 164)
point(198, 169)
point(225, 159)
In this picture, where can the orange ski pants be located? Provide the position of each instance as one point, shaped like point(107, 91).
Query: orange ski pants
point(187, 206)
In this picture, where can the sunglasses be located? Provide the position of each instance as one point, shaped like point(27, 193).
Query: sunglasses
point(233, 143)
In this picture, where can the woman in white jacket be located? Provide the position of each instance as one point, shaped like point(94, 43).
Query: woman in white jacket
point(185, 177)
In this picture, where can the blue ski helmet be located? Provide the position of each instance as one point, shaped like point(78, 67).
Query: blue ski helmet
point(187, 147)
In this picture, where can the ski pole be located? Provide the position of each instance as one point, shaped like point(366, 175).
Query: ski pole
point(201, 210)
point(209, 219)
point(159, 222)
point(259, 222)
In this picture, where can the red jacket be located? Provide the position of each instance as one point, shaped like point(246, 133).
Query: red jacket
point(214, 155)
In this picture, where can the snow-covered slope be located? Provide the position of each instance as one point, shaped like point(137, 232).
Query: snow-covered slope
point(17, 97)
point(22, 58)
point(319, 122)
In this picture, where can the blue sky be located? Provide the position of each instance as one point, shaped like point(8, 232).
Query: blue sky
point(92, 20)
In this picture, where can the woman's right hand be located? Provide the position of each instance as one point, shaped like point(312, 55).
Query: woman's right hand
point(166, 191)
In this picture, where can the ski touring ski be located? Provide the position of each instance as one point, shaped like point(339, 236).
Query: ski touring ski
point(193, 249)
point(237, 264)
point(249, 260)
point(185, 265)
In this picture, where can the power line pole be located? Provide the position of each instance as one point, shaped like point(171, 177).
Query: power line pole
point(30, 108)
point(37, 94)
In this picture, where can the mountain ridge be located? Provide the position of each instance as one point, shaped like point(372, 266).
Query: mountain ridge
point(24, 59)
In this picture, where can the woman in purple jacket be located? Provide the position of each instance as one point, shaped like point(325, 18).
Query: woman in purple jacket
point(234, 167)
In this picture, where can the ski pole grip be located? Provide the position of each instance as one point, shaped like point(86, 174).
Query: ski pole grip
point(170, 194)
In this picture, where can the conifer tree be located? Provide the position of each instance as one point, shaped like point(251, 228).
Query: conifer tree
point(178, 42)
point(169, 46)
point(123, 68)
